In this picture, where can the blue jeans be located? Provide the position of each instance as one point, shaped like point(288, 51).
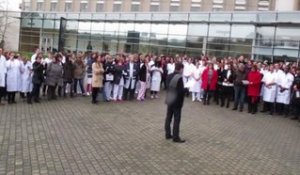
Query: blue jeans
point(239, 96)
point(80, 84)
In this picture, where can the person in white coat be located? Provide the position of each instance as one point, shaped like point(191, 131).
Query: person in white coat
point(269, 90)
point(26, 75)
point(283, 97)
point(13, 66)
point(157, 72)
point(2, 76)
point(171, 66)
point(187, 72)
point(195, 82)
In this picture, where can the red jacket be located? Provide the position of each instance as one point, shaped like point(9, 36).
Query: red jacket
point(213, 83)
point(254, 78)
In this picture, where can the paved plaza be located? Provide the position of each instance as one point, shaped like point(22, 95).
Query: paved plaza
point(72, 136)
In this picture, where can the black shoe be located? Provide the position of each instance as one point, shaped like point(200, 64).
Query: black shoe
point(241, 110)
point(169, 137)
point(37, 101)
point(234, 109)
point(178, 140)
point(263, 111)
point(294, 118)
point(29, 102)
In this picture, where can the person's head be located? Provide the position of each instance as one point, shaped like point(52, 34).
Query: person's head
point(1, 51)
point(287, 69)
point(172, 60)
point(241, 67)
point(38, 59)
point(179, 67)
point(131, 58)
point(99, 59)
point(271, 68)
point(210, 65)
point(298, 71)
point(276, 66)
point(57, 58)
point(254, 68)
point(108, 58)
point(12, 55)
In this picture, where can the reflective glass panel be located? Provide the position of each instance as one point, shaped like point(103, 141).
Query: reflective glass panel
point(97, 27)
point(265, 36)
point(287, 37)
point(289, 17)
point(266, 17)
point(246, 17)
point(219, 30)
point(197, 29)
point(159, 28)
point(199, 17)
point(220, 17)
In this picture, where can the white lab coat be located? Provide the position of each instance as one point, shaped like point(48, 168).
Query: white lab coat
point(170, 68)
point(269, 94)
point(286, 81)
point(196, 84)
point(26, 76)
point(2, 70)
point(13, 75)
point(156, 78)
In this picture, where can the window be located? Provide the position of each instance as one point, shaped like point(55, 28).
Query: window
point(40, 5)
point(154, 5)
point(174, 6)
point(53, 6)
point(135, 5)
point(195, 5)
point(68, 6)
point(240, 5)
point(84, 6)
point(117, 6)
point(100, 6)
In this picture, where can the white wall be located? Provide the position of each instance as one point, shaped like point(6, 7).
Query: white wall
point(286, 5)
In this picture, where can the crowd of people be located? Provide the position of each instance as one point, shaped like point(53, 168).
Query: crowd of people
point(122, 77)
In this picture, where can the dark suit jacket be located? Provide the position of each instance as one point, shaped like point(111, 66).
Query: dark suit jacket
point(118, 73)
point(179, 89)
point(143, 73)
point(38, 73)
point(135, 70)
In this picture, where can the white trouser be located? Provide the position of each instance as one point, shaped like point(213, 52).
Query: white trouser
point(118, 92)
point(196, 96)
point(108, 87)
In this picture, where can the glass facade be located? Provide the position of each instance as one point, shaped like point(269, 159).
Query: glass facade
point(261, 35)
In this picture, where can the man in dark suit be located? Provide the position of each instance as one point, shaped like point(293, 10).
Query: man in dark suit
point(174, 101)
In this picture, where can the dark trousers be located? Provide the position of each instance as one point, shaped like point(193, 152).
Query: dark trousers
point(80, 81)
point(239, 96)
point(51, 92)
point(176, 113)
point(295, 109)
point(35, 93)
point(207, 95)
point(2, 93)
point(164, 82)
point(217, 94)
point(44, 89)
point(130, 92)
point(268, 107)
point(226, 95)
point(11, 97)
point(95, 91)
point(252, 104)
point(282, 109)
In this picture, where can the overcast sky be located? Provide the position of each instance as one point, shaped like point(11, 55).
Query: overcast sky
point(10, 4)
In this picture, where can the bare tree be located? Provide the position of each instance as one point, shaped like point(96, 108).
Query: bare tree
point(4, 21)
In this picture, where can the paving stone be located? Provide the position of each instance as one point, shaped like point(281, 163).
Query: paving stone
point(72, 136)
